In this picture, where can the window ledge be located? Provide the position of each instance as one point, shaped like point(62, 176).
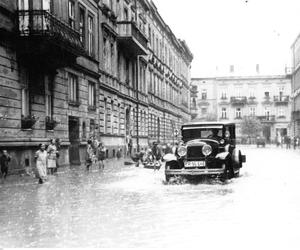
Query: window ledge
point(74, 103)
point(91, 108)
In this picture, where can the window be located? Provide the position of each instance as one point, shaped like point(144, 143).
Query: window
point(267, 94)
point(73, 87)
point(25, 101)
point(92, 94)
point(82, 24)
point(112, 117)
point(204, 94)
point(48, 98)
point(223, 95)
point(71, 14)
point(105, 52)
point(112, 56)
point(280, 112)
point(105, 116)
point(125, 14)
point(90, 35)
point(252, 111)
point(119, 119)
point(224, 113)
point(238, 113)
point(267, 112)
point(203, 111)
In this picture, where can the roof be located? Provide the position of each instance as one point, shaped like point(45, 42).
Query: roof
point(207, 123)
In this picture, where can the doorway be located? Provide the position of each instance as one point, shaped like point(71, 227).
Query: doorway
point(74, 156)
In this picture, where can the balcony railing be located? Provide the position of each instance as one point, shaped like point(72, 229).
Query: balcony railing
point(41, 23)
point(132, 38)
point(281, 99)
point(266, 118)
point(238, 100)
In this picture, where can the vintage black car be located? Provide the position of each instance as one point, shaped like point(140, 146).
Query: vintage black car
point(207, 148)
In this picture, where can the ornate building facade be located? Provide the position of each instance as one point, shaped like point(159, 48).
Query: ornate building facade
point(231, 98)
point(72, 69)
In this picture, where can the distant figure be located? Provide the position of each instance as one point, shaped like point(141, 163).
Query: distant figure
point(101, 155)
point(288, 142)
point(57, 144)
point(4, 160)
point(157, 155)
point(215, 134)
point(89, 155)
point(168, 149)
point(41, 163)
point(52, 151)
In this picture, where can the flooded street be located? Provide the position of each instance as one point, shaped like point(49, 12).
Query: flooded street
point(124, 206)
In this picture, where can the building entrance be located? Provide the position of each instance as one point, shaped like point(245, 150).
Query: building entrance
point(74, 156)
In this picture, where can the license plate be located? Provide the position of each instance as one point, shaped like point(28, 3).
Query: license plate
point(192, 164)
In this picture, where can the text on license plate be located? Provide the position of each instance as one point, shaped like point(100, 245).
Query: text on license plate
point(190, 164)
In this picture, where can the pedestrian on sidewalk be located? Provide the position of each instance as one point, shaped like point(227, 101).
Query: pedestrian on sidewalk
point(89, 156)
point(156, 151)
point(41, 163)
point(52, 151)
point(4, 160)
point(57, 144)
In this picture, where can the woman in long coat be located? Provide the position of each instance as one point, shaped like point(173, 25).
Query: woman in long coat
point(52, 150)
point(41, 163)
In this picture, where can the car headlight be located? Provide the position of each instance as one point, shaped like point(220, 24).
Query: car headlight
point(206, 149)
point(222, 141)
point(182, 150)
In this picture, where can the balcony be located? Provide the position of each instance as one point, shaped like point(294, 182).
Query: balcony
point(131, 39)
point(252, 100)
point(44, 38)
point(266, 118)
point(238, 100)
point(281, 99)
point(267, 100)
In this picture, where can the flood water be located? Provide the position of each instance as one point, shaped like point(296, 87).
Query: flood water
point(125, 206)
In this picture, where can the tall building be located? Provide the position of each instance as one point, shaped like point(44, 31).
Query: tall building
point(295, 75)
point(232, 98)
point(72, 69)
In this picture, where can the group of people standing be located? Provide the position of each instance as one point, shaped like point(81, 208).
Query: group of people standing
point(95, 153)
point(288, 141)
point(46, 159)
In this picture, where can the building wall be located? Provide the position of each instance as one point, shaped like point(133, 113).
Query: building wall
point(130, 104)
point(222, 89)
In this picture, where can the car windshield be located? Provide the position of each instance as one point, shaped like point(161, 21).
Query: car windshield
point(204, 133)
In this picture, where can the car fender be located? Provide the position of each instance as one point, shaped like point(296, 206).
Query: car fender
point(222, 156)
point(169, 157)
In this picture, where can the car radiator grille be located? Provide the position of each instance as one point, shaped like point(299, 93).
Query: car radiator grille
point(194, 152)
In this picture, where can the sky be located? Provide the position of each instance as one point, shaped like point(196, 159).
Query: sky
point(242, 33)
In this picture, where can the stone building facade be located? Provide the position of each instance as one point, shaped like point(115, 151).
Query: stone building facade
point(295, 74)
point(232, 98)
point(72, 69)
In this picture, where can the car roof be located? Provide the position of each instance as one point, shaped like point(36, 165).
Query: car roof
point(211, 124)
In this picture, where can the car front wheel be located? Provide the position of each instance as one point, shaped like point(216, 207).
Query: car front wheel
point(228, 172)
point(168, 177)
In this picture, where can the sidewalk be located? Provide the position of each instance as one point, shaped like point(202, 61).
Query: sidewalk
point(108, 163)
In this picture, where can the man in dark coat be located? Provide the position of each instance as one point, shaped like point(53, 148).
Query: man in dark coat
point(4, 160)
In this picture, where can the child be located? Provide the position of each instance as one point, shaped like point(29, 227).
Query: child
point(4, 160)
point(41, 163)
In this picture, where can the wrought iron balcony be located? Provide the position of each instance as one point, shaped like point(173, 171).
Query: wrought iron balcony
point(131, 38)
point(40, 31)
point(281, 99)
point(266, 118)
point(238, 100)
